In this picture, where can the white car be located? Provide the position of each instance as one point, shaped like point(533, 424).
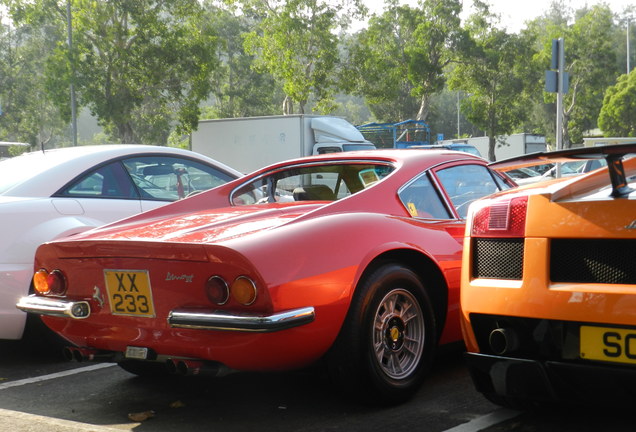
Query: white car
point(50, 194)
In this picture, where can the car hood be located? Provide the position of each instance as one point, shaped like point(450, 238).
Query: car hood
point(205, 226)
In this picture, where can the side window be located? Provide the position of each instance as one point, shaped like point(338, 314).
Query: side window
point(422, 200)
point(109, 181)
point(466, 183)
point(169, 178)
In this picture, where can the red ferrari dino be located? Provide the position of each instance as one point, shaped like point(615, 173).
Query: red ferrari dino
point(350, 257)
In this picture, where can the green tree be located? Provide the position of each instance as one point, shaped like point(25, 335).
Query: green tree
point(27, 114)
point(238, 89)
point(296, 43)
point(398, 62)
point(591, 61)
point(491, 74)
point(618, 114)
point(139, 66)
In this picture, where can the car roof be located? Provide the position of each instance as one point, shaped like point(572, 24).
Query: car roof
point(53, 168)
point(419, 158)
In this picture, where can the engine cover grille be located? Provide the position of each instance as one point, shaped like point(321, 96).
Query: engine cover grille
point(607, 261)
point(498, 258)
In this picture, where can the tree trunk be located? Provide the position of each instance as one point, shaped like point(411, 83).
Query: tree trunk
point(288, 106)
point(492, 142)
point(126, 134)
point(422, 113)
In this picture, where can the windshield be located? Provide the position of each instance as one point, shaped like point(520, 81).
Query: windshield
point(314, 182)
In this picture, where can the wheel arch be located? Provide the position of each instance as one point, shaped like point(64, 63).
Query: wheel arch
point(427, 271)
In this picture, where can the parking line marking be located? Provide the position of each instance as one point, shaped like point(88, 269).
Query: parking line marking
point(54, 375)
point(485, 421)
point(20, 421)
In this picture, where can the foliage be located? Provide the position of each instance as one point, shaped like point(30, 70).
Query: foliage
point(296, 42)
point(27, 115)
point(138, 66)
point(589, 50)
point(147, 68)
point(238, 89)
point(491, 74)
point(398, 62)
point(618, 114)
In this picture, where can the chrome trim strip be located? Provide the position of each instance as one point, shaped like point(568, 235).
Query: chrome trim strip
point(197, 319)
point(53, 307)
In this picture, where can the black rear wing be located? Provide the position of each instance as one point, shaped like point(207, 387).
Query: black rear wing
point(613, 154)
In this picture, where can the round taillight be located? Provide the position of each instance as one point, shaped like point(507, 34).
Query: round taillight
point(49, 283)
point(243, 290)
point(217, 291)
point(39, 281)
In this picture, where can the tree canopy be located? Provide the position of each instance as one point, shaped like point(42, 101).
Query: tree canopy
point(491, 75)
point(147, 70)
point(618, 114)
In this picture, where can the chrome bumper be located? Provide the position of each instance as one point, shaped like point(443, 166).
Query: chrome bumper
point(54, 307)
point(196, 319)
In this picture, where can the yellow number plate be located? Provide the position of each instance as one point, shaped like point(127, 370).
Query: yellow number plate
point(608, 344)
point(129, 292)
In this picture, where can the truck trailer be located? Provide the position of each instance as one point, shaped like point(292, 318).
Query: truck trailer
point(250, 143)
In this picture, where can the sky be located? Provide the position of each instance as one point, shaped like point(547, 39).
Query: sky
point(514, 13)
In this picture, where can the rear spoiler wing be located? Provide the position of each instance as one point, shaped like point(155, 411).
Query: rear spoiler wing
point(613, 154)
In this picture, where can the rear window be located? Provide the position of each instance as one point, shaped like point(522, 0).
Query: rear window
point(313, 182)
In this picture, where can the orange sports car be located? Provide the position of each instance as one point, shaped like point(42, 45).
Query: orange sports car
point(548, 284)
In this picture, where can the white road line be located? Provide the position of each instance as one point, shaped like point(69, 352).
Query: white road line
point(55, 375)
point(483, 422)
point(19, 421)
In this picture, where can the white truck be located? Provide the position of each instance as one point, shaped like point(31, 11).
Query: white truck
point(250, 143)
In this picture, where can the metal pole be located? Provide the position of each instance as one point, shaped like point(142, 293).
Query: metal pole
point(559, 107)
point(70, 50)
point(458, 134)
point(628, 68)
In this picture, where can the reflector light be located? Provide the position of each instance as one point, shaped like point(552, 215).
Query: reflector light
point(217, 291)
point(243, 290)
point(504, 218)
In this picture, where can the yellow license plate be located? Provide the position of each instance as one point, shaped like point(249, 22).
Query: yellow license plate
point(129, 292)
point(608, 344)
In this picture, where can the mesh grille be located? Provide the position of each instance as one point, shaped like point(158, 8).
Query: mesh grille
point(498, 258)
point(593, 261)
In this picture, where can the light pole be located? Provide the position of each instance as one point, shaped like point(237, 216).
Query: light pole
point(70, 50)
point(628, 68)
point(458, 134)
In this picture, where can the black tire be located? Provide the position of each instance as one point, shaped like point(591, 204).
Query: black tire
point(387, 343)
point(144, 368)
point(41, 340)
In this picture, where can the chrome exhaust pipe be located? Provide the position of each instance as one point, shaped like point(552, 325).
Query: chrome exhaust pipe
point(86, 354)
point(171, 365)
point(503, 341)
point(189, 367)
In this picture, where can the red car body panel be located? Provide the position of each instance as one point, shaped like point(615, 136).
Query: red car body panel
point(301, 254)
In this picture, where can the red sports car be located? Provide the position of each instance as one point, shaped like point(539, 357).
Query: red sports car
point(351, 257)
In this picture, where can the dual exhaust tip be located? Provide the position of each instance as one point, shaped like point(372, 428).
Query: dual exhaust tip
point(174, 366)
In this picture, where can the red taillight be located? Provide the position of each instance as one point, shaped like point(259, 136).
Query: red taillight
point(217, 290)
point(502, 218)
point(49, 283)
